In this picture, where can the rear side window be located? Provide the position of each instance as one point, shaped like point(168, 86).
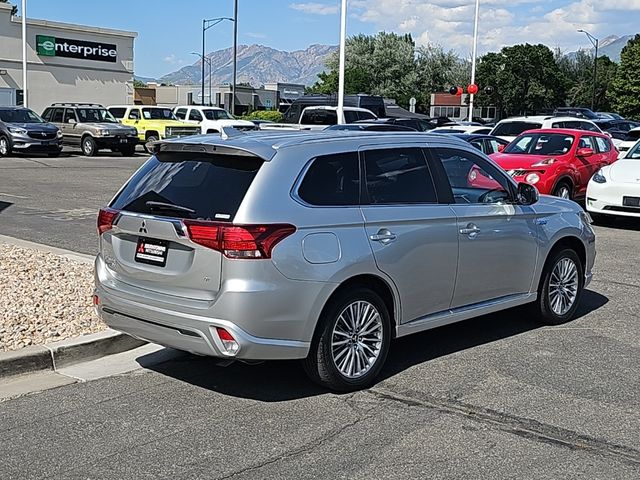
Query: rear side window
point(181, 113)
point(213, 186)
point(117, 112)
point(319, 117)
point(332, 180)
point(195, 115)
point(398, 175)
point(590, 127)
point(350, 116)
point(513, 129)
point(603, 145)
point(366, 116)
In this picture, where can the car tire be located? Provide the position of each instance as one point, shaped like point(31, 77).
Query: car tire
point(150, 138)
point(563, 190)
point(355, 364)
point(560, 288)
point(128, 151)
point(5, 146)
point(88, 146)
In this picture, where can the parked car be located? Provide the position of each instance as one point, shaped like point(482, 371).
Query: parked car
point(510, 128)
point(318, 118)
point(615, 189)
point(153, 123)
point(557, 161)
point(417, 124)
point(211, 119)
point(485, 143)
point(629, 140)
point(22, 130)
point(373, 103)
point(610, 116)
point(618, 129)
point(459, 128)
point(579, 112)
point(370, 127)
point(325, 246)
point(91, 127)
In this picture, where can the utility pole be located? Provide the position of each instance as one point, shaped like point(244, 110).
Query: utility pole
point(25, 95)
point(595, 42)
point(343, 42)
point(235, 56)
point(206, 25)
point(473, 60)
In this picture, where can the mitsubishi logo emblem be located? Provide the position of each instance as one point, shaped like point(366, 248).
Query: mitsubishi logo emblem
point(143, 227)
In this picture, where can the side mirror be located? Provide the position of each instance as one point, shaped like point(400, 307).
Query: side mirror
point(501, 148)
point(585, 152)
point(527, 194)
point(71, 121)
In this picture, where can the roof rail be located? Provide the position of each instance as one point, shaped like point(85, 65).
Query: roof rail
point(70, 104)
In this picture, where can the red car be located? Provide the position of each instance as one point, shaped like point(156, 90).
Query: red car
point(557, 161)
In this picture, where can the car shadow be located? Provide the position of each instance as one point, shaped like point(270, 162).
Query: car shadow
point(4, 206)
point(620, 223)
point(280, 381)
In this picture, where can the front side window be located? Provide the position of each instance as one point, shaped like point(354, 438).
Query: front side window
point(195, 115)
point(350, 116)
point(332, 180)
point(493, 146)
point(396, 176)
point(58, 114)
point(134, 114)
point(181, 113)
point(473, 180)
point(366, 116)
point(213, 114)
point(69, 114)
point(541, 144)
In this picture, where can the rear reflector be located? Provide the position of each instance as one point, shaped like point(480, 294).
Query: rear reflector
point(238, 241)
point(106, 217)
point(230, 345)
point(96, 301)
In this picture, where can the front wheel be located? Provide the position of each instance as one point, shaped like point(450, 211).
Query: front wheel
point(5, 150)
point(563, 190)
point(352, 342)
point(88, 146)
point(560, 288)
point(150, 139)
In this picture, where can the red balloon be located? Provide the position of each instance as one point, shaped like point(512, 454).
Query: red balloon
point(459, 92)
point(472, 89)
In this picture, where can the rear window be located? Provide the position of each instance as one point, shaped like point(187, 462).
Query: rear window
point(513, 129)
point(211, 186)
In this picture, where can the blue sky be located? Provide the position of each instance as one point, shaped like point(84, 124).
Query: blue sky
point(170, 30)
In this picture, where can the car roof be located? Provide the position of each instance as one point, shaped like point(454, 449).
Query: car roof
point(328, 107)
point(565, 131)
point(474, 136)
point(531, 119)
point(265, 143)
point(191, 106)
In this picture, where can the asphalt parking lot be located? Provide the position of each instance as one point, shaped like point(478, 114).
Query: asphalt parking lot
point(493, 397)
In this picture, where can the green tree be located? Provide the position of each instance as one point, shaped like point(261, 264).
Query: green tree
point(437, 71)
point(14, 9)
point(138, 83)
point(525, 79)
point(578, 74)
point(625, 87)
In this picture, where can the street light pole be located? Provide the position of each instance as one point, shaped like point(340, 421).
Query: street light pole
point(206, 25)
point(25, 95)
point(235, 56)
point(595, 42)
point(473, 60)
point(343, 43)
point(208, 60)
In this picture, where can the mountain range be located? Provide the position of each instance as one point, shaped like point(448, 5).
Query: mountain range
point(257, 65)
point(610, 46)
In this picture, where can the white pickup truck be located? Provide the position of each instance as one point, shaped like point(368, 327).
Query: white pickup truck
point(211, 119)
point(321, 117)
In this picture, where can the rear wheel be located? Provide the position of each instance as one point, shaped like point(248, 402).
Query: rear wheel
point(88, 146)
point(5, 150)
point(352, 342)
point(563, 190)
point(560, 288)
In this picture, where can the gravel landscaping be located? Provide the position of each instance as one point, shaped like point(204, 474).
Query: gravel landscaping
point(43, 298)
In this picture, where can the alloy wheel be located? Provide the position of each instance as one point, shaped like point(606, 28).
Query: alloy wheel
point(564, 192)
point(4, 146)
point(563, 286)
point(356, 341)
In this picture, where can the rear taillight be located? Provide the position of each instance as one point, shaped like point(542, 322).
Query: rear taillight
point(238, 241)
point(106, 217)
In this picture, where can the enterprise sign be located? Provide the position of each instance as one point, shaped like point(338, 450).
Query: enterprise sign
point(48, 46)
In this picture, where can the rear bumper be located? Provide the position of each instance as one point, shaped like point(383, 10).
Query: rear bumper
point(115, 142)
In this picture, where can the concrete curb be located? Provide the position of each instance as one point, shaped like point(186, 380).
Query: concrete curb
point(78, 257)
point(66, 352)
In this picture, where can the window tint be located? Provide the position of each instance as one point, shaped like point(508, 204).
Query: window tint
point(366, 116)
point(319, 117)
point(332, 180)
point(134, 114)
point(350, 116)
point(58, 113)
point(118, 112)
point(494, 146)
point(69, 114)
point(513, 129)
point(195, 115)
point(472, 178)
point(398, 175)
point(587, 142)
point(211, 185)
point(181, 113)
point(477, 144)
point(603, 145)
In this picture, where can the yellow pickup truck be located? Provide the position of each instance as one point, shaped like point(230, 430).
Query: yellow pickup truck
point(153, 123)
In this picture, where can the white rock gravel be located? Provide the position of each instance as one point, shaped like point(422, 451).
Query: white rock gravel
point(43, 298)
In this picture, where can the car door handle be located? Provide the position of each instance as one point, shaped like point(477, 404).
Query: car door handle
point(471, 230)
point(383, 236)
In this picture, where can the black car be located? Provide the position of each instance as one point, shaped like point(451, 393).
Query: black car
point(618, 129)
point(22, 130)
point(371, 127)
point(487, 144)
point(580, 112)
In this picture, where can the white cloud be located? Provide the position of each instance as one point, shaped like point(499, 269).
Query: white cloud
point(172, 59)
point(315, 8)
point(256, 35)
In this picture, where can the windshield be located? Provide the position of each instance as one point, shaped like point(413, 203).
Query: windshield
point(513, 129)
point(95, 115)
point(158, 114)
point(212, 114)
point(21, 115)
point(634, 152)
point(541, 144)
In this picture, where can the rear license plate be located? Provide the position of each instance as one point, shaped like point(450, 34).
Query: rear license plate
point(152, 252)
point(631, 201)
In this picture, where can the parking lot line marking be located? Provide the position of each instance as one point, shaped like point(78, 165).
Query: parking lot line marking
point(2, 194)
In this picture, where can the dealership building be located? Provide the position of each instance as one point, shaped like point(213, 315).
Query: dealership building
point(65, 63)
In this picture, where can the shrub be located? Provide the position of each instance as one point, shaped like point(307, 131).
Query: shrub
point(271, 115)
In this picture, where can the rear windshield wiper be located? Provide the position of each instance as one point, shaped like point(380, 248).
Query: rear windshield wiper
point(168, 206)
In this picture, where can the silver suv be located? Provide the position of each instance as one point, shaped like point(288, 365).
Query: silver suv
point(326, 246)
point(91, 127)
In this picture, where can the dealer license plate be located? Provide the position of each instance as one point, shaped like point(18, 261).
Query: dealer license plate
point(631, 201)
point(152, 252)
